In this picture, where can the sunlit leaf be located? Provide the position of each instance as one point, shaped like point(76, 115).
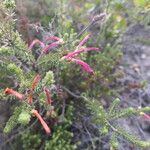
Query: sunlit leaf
point(140, 3)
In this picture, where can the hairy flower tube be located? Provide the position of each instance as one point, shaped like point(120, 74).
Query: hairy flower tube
point(14, 93)
point(48, 95)
point(36, 41)
point(30, 97)
point(45, 47)
point(72, 54)
point(43, 123)
point(35, 82)
point(84, 41)
point(53, 45)
point(83, 64)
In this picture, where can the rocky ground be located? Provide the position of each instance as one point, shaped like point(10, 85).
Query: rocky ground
point(136, 65)
point(133, 88)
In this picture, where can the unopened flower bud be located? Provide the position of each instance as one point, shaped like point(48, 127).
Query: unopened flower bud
point(99, 17)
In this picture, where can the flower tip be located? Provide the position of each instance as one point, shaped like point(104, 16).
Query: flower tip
point(36, 41)
point(145, 115)
point(48, 95)
point(99, 49)
point(6, 90)
point(43, 123)
point(61, 41)
point(33, 111)
point(141, 113)
point(63, 58)
point(48, 132)
point(92, 73)
point(89, 35)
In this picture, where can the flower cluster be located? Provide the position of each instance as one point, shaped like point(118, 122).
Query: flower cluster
point(79, 49)
point(71, 57)
point(46, 48)
point(20, 96)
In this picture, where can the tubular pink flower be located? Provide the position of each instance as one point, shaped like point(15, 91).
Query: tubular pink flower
point(84, 65)
point(145, 116)
point(43, 123)
point(72, 54)
point(36, 41)
point(84, 41)
point(48, 95)
point(35, 81)
point(55, 38)
point(46, 48)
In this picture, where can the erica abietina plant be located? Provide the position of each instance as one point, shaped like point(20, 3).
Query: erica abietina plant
point(39, 84)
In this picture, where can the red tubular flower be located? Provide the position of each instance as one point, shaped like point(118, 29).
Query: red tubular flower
point(145, 116)
point(36, 41)
point(72, 54)
point(43, 123)
point(54, 44)
point(30, 97)
point(55, 38)
point(35, 81)
point(84, 65)
point(48, 95)
point(14, 93)
point(34, 84)
point(46, 48)
point(84, 41)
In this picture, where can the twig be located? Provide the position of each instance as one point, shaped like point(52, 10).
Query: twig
point(73, 94)
point(93, 146)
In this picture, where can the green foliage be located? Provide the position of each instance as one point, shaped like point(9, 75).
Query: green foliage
point(48, 79)
point(61, 139)
point(30, 140)
point(114, 142)
point(20, 63)
point(6, 51)
point(21, 115)
point(49, 61)
point(15, 70)
point(141, 3)
point(133, 138)
point(12, 122)
point(104, 119)
point(9, 4)
point(24, 117)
